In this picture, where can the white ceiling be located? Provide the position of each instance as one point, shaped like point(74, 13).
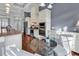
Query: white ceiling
point(16, 9)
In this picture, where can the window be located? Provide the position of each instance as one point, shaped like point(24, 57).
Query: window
point(3, 24)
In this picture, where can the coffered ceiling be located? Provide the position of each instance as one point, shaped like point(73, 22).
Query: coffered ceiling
point(13, 10)
point(22, 5)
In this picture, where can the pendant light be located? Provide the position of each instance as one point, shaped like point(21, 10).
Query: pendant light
point(42, 4)
point(50, 6)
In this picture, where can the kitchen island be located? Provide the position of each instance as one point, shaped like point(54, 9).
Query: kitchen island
point(12, 38)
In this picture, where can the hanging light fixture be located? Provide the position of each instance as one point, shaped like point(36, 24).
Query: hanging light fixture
point(49, 6)
point(42, 4)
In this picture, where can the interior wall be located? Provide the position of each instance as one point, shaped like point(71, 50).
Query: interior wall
point(65, 14)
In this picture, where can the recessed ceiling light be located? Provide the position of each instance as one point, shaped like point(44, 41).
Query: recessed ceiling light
point(7, 8)
point(7, 4)
point(7, 12)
